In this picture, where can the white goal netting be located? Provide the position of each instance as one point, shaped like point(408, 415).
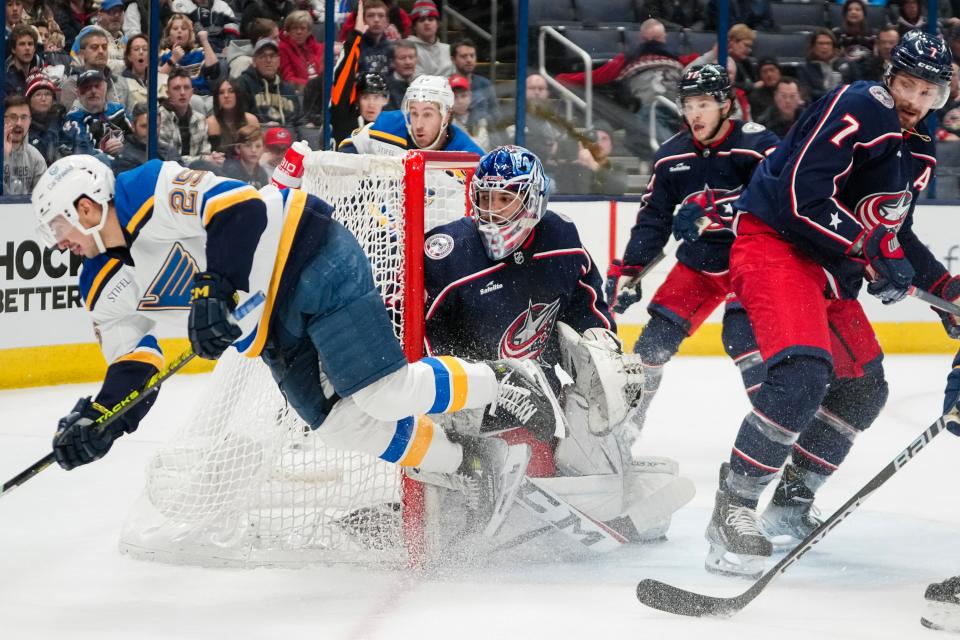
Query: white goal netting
point(243, 482)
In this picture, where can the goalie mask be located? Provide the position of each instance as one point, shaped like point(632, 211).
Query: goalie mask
point(509, 195)
point(435, 90)
point(56, 194)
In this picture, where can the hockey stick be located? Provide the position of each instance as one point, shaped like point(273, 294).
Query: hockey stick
point(665, 597)
point(934, 301)
point(133, 399)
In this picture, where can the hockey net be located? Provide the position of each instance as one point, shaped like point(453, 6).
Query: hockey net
point(243, 482)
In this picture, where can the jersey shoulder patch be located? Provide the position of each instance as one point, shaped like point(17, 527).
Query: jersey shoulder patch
point(882, 95)
point(438, 246)
point(752, 127)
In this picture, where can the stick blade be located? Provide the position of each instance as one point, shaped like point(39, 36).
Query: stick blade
point(681, 602)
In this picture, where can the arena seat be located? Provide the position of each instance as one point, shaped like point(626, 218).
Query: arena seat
point(606, 12)
point(790, 16)
point(550, 12)
point(787, 48)
point(601, 44)
point(699, 41)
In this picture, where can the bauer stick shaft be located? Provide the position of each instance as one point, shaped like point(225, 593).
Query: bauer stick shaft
point(934, 301)
point(665, 597)
point(133, 399)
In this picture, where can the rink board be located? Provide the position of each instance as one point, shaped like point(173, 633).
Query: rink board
point(47, 337)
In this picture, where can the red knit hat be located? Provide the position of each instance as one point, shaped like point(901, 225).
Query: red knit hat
point(424, 9)
point(40, 81)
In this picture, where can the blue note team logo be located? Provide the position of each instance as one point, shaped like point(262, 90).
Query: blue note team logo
point(170, 289)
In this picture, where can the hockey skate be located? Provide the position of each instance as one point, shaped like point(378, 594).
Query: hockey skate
point(490, 476)
point(790, 517)
point(943, 605)
point(525, 399)
point(737, 545)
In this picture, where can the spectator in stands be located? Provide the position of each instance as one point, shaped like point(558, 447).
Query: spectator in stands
point(873, 66)
point(433, 56)
point(274, 101)
point(464, 116)
point(910, 17)
point(949, 116)
point(134, 151)
point(684, 13)
point(404, 71)
point(91, 53)
point(34, 11)
point(216, 17)
point(347, 116)
point(548, 134)
point(245, 164)
point(110, 19)
point(593, 173)
point(95, 123)
point(231, 111)
point(239, 53)
point(182, 127)
point(818, 74)
point(136, 60)
point(761, 96)
point(854, 36)
point(23, 59)
point(399, 25)
point(14, 15)
point(275, 10)
point(275, 144)
point(484, 98)
point(22, 164)
point(755, 14)
point(376, 51)
point(301, 56)
point(71, 16)
point(740, 39)
point(52, 40)
point(786, 109)
point(136, 16)
point(191, 52)
point(46, 116)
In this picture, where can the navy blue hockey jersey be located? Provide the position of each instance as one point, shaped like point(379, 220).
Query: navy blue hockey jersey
point(845, 167)
point(484, 309)
point(685, 170)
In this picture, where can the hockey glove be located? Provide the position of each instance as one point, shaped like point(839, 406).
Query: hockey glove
point(210, 327)
point(685, 223)
point(79, 440)
point(951, 398)
point(949, 290)
point(623, 286)
point(888, 269)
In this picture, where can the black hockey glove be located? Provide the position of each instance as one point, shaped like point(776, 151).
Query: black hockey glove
point(951, 397)
point(949, 290)
point(685, 225)
point(79, 440)
point(623, 286)
point(211, 329)
point(889, 271)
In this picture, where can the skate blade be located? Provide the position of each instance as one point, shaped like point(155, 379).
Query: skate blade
point(725, 563)
point(517, 460)
point(940, 616)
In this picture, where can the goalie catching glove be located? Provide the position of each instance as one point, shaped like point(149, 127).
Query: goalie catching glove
point(210, 327)
point(79, 440)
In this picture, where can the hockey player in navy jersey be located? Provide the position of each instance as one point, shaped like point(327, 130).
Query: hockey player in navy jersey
point(424, 121)
point(698, 174)
point(832, 206)
point(166, 244)
point(514, 281)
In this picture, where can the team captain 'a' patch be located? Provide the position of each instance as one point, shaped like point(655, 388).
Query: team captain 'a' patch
point(882, 95)
point(438, 246)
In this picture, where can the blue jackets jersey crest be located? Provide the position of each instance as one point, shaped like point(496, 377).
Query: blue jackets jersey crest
point(683, 170)
point(483, 309)
point(844, 168)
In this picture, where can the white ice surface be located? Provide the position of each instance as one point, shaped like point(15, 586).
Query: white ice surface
point(61, 575)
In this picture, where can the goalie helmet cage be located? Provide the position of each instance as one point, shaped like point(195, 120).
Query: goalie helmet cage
point(243, 482)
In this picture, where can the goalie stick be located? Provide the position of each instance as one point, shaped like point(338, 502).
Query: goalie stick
point(934, 301)
point(133, 399)
point(665, 597)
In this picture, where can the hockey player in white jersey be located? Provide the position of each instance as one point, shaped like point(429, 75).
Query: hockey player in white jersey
point(170, 245)
point(424, 121)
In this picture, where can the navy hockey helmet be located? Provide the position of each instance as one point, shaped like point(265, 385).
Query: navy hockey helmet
point(372, 83)
point(705, 80)
point(923, 56)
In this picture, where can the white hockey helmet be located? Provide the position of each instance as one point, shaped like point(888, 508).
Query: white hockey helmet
point(435, 89)
point(56, 194)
